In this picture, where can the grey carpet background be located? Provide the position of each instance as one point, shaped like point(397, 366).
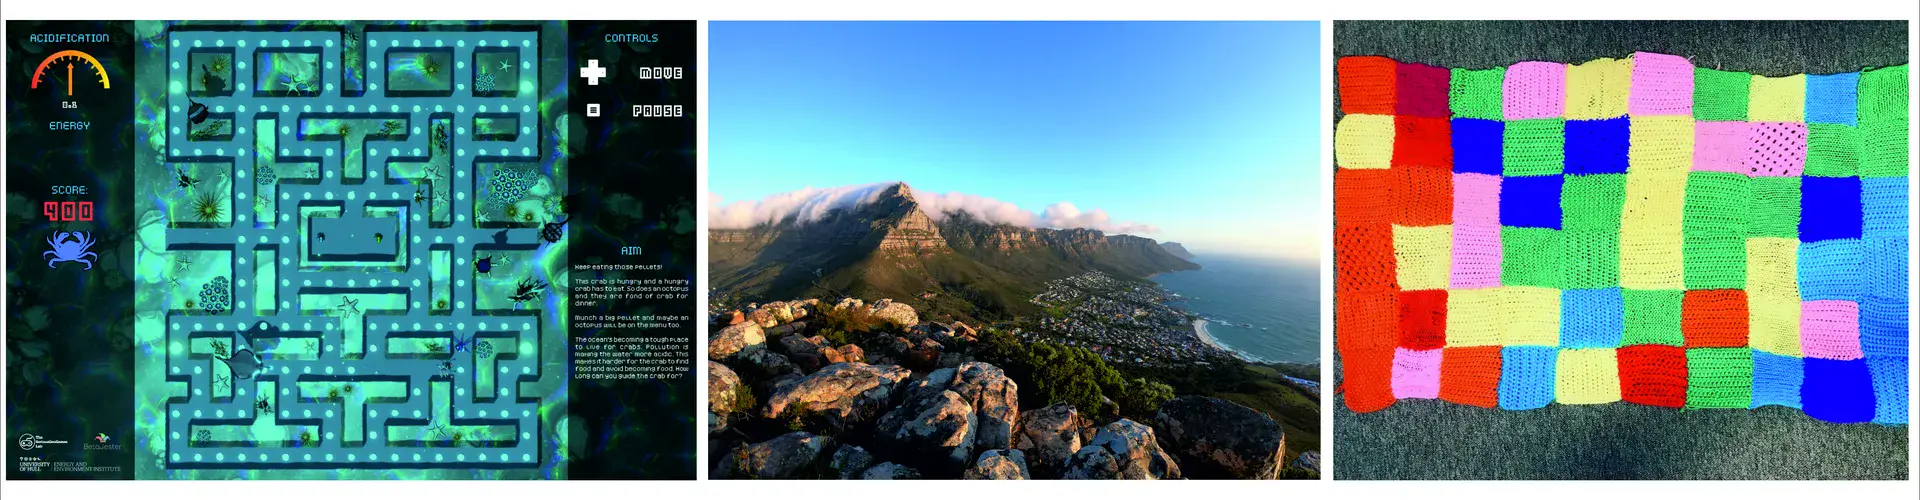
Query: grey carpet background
point(1426, 439)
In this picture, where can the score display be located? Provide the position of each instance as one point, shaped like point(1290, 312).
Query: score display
point(67, 211)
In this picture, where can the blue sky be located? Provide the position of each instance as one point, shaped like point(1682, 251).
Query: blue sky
point(1208, 131)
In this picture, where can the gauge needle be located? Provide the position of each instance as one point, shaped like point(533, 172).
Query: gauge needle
point(69, 79)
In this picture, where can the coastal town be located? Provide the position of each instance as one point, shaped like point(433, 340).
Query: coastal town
point(1124, 322)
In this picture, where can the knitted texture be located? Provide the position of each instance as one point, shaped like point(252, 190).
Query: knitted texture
point(1634, 230)
point(1662, 85)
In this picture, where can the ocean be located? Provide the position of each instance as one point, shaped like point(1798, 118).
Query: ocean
point(1267, 310)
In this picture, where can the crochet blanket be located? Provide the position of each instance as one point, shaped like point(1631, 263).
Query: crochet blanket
point(1636, 230)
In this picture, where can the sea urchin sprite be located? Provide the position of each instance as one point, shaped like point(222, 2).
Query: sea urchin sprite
point(208, 207)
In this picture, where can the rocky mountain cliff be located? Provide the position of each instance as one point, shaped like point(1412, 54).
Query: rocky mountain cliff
point(1177, 250)
point(891, 247)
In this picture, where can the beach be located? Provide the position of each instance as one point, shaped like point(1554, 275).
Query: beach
point(1200, 330)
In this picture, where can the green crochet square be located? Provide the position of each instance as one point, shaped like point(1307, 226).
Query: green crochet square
point(1530, 256)
point(1534, 147)
point(1653, 317)
point(1884, 148)
point(1716, 202)
point(1775, 209)
point(1833, 150)
point(1592, 259)
point(1714, 260)
point(1475, 93)
point(1883, 95)
point(1720, 96)
point(1719, 377)
point(1592, 202)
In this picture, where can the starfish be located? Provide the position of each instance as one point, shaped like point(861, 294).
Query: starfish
point(506, 65)
point(439, 199)
point(173, 281)
point(182, 264)
point(433, 174)
point(349, 307)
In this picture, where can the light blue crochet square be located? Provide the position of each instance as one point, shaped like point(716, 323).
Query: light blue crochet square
point(1591, 318)
point(1830, 270)
point(1883, 207)
point(1889, 389)
point(1833, 98)
point(1776, 379)
point(1526, 377)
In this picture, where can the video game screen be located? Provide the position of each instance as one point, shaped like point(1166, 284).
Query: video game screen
point(350, 249)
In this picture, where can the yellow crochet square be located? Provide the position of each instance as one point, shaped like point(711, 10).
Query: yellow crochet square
point(1423, 256)
point(1598, 89)
point(1777, 99)
point(1650, 231)
point(1660, 144)
point(1363, 141)
point(1474, 317)
point(1773, 296)
point(1587, 377)
point(1533, 316)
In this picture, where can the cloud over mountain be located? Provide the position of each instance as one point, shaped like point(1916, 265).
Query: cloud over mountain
point(809, 204)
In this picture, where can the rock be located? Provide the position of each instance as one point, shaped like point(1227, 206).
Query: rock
point(938, 431)
point(844, 393)
point(848, 303)
point(782, 457)
point(897, 313)
point(1309, 461)
point(733, 339)
point(995, 399)
point(1000, 464)
point(1218, 438)
point(764, 364)
point(763, 317)
point(950, 360)
point(961, 330)
point(780, 311)
point(1050, 435)
point(921, 355)
point(1092, 463)
point(794, 328)
point(890, 470)
point(852, 353)
point(810, 353)
point(722, 392)
point(733, 318)
point(850, 461)
point(1137, 455)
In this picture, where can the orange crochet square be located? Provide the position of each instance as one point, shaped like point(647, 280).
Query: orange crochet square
point(1366, 378)
point(1367, 84)
point(1653, 375)
point(1367, 320)
point(1714, 318)
point(1423, 319)
point(1421, 142)
point(1363, 259)
point(1360, 196)
point(1424, 196)
point(1471, 375)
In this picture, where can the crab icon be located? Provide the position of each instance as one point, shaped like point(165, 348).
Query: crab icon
point(70, 246)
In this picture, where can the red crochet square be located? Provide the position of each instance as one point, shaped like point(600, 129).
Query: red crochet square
point(1366, 378)
point(1422, 142)
point(1366, 84)
point(1714, 318)
point(1367, 320)
point(1424, 196)
point(1653, 375)
point(1423, 319)
point(1471, 375)
point(1363, 258)
point(1360, 196)
point(1423, 90)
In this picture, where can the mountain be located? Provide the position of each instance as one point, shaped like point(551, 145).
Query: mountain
point(961, 266)
point(1177, 250)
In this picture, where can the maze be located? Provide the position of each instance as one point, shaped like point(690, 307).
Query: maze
point(354, 237)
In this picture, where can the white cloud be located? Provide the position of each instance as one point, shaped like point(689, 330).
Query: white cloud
point(809, 204)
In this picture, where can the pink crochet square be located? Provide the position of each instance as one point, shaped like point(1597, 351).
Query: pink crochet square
point(1476, 198)
point(1830, 329)
point(1535, 89)
point(1720, 146)
point(1662, 85)
point(1776, 149)
point(1416, 374)
point(1476, 255)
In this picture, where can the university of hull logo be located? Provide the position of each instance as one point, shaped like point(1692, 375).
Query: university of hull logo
point(29, 442)
point(70, 246)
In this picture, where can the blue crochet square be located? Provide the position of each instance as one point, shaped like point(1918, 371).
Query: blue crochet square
point(1884, 326)
point(1591, 318)
point(1838, 391)
point(1889, 389)
point(1829, 208)
point(1526, 377)
point(1531, 201)
point(1776, 379)
point(1597, 146)
point(1829, 270)
point(1476, 146)
point(1833, 98)
point(1883, 206)
point(1883, 264)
